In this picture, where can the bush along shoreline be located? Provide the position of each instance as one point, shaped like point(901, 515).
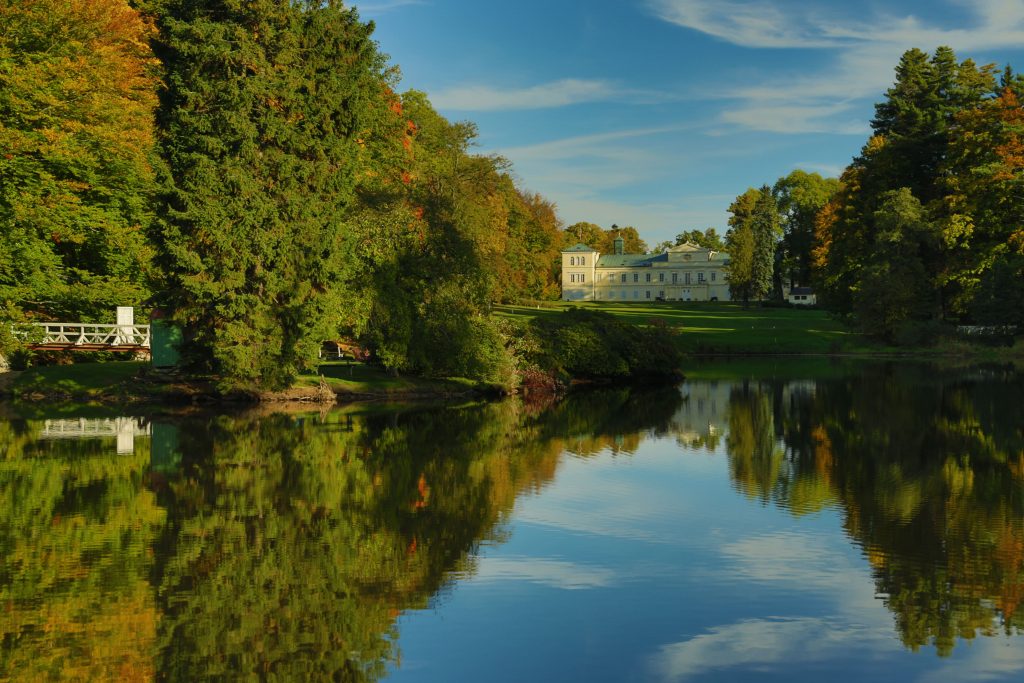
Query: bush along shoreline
point(540, 358)
point(581, 346)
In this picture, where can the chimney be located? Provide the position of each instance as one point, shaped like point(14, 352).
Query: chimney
point(619, 245)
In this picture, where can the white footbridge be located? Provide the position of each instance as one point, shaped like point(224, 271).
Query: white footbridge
point(124, 335)
point(124, 429)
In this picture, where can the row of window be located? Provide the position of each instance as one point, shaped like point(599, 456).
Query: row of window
point(579, 278)
point(577, 260)
point(624, 294)
point(661, 277)
point(647, 294)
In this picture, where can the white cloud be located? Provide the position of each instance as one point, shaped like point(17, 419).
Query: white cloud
point(749, 24)
point(594, 144)
point(859, 56)
point(759, 643)
point(548, 572)
point(559, 93)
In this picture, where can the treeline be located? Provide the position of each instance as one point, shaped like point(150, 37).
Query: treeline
point(923, 228)
point(250, 168)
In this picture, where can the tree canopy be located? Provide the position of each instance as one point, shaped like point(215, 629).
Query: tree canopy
point(77, 92)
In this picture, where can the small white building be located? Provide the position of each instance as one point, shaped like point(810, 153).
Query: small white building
point(802, 296)
point(683, 273)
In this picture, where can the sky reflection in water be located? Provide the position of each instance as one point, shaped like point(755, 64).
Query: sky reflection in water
point(866, 523)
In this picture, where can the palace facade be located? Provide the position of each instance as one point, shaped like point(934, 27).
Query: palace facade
point(683, 273)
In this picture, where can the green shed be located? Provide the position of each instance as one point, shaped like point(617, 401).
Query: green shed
point(164, 341)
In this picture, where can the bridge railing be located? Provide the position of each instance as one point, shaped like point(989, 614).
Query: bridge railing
point(85, 334)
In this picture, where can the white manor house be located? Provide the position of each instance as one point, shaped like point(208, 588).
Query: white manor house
point(683, 273)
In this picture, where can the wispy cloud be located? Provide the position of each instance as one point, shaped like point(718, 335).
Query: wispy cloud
point(385, 5)
point(859, 55)
point(559, 93)
point(548, 572)
point(760, 644)
point(758, 24)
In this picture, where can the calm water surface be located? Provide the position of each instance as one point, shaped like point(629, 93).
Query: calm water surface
point(794, 523)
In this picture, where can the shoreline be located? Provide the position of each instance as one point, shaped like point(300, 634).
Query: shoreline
point(141, 389)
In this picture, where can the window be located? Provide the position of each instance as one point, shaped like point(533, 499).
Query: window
point(700, 278)
point(661, 277)
point(648, 276)
point(572, 260)
point(583, 260)
point(583, 278)
point(675, 278)
point(636, 293)
point(648, 294)
point(712, 277)
point(622, 277)
point(687, 278)
point(661, 293)
point(636, 277)
point(572, 277)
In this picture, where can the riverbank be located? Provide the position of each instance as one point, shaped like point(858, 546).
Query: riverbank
point(729, 330)
point(120, 383)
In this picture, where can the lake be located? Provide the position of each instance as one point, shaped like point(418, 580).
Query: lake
point(772, 521)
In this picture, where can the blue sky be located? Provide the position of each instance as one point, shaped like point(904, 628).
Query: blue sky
point(657, 113)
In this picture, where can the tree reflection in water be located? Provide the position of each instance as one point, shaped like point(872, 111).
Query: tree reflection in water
point(926, 468)
point(280, 546)
point(285, 546)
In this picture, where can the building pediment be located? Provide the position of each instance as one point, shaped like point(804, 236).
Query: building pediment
point(580, 248)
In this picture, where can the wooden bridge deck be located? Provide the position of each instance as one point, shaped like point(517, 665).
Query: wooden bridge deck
point(86, 337)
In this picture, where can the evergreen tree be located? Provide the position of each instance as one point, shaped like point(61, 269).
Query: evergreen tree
point(741, 245)
point(764, 228)
point(260, 119)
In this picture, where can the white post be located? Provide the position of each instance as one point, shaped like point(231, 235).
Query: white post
point(125, 323)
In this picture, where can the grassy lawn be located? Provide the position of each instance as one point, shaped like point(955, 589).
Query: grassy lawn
point(719, 327)
point(81, 379)
point(359, 378)
point(84, 381)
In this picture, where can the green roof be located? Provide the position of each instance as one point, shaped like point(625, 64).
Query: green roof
point(580, 247)
point(629, 260)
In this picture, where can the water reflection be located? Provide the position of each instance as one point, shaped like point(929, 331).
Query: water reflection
point(926, 468)
point(286, 546)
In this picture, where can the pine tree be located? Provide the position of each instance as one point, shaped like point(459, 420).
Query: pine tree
point(764, 227)
point(260, 121)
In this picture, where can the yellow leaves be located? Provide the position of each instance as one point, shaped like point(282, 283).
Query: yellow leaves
point(957, 230)
point(1016, 241)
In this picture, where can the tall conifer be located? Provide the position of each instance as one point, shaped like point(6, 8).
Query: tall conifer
point(260, 120)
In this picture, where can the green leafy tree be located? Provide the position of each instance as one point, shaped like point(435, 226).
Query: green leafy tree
point(800, 197)
point(77, 90)
point(928, 136)
point(897, 296)
point(709, 239)
point(981, 233)
point(604, 240)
